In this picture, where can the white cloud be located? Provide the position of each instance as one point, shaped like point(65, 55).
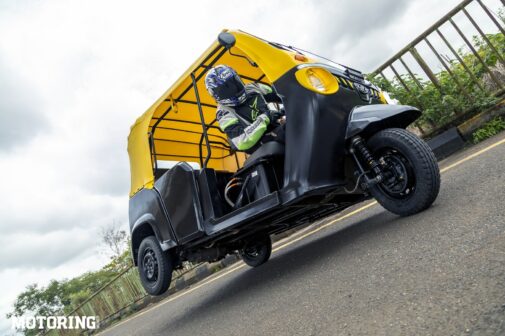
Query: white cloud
point(18, 249)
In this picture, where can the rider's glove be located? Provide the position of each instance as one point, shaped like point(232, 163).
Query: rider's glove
point(273, 116)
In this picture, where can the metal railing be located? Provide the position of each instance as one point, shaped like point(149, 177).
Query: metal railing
point(119, 294)
point(412, 84)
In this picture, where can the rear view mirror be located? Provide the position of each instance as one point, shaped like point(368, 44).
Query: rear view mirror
point(227, 40)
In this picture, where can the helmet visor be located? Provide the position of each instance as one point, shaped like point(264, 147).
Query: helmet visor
point(231, 88)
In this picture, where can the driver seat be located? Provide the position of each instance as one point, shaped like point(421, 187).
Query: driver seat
point(264, 171)
point(267, 150)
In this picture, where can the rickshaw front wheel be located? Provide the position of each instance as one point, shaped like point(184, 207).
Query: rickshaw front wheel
point(154, 266)
point(411, 177)
point(257, 251)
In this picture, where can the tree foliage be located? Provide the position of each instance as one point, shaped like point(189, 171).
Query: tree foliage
point(63, 296)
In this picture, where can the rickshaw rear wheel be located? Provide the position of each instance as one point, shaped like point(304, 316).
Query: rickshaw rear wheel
point(411, 177)
point(257, 251)
point(155, 266)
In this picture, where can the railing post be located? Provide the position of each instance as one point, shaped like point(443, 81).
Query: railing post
point(411, 73)
point(484, 37)
point(448, 69)
point(463, 64)
point(426, 68)
point(476, 54)
point(491, 16)
point(400, 79)
point(385, 78)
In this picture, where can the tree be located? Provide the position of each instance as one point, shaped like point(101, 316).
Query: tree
point(62, 297)
point(37, 301)
point(115, 239)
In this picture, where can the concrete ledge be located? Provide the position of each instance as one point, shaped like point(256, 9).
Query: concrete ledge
point(446, 143)
point(201, 272)
point(467, 128)
point(180, 283)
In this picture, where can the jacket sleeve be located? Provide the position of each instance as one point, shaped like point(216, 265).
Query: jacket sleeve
point(242, 138)
point(268, 93)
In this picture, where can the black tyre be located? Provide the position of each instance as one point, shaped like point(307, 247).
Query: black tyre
point(411, 174)
point(257, 252)
point(155, 266)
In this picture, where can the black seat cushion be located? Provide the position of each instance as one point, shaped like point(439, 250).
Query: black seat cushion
point(268, 149)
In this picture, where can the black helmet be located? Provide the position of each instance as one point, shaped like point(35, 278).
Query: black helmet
point(225, 85)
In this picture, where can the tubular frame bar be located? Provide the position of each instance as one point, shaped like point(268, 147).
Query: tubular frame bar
point(204, 126)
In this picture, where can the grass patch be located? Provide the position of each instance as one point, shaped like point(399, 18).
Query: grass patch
point(489, 129)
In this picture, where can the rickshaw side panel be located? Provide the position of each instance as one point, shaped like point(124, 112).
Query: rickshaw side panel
point(179, 192)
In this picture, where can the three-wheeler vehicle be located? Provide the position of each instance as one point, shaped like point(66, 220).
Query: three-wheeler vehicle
point(193, 198)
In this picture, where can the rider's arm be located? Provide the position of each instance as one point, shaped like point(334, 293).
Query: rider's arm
point(268, 93)
point(242, 138)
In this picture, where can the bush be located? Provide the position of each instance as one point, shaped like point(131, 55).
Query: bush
point(440, 109)
point(489, 129)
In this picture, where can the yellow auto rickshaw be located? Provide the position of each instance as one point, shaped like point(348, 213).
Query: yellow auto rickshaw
point(344, 144)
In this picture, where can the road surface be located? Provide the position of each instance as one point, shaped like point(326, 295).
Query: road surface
point(441, 272)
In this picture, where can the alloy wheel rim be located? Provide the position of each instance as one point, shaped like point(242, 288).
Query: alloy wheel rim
point(150, 265)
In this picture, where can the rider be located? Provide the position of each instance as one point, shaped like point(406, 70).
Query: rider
point(242, 110)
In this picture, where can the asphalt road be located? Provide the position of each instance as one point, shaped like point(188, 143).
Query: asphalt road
point(441, 272)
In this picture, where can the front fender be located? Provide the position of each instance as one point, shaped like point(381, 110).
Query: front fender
point(369, 119)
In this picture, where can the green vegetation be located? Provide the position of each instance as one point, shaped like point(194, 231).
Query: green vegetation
point(489, 129)
point(455, 97)
point(63, 296)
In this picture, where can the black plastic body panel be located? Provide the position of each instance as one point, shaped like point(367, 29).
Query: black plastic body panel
point(147, 215)
point(245, 214)
point(261, 182)
point(147, 202)
point(179, 192)
point(211, 187)
point(369, 119)
point(315, 135)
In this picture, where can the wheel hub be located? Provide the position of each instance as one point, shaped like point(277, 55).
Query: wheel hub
point(252, 251)
point(398, 177)
point(150, 265)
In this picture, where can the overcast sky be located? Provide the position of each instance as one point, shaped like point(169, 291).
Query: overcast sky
point(75, 75)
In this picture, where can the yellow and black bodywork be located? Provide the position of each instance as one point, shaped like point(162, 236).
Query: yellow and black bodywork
point(325, 106)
